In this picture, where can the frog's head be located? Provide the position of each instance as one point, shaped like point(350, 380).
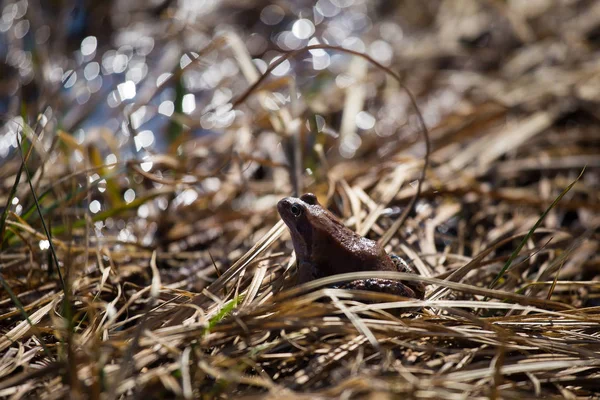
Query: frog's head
point(303, 217)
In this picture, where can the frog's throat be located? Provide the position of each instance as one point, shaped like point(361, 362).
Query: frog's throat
point(301, 246)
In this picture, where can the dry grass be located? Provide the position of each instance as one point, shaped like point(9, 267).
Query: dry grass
point(196, 299)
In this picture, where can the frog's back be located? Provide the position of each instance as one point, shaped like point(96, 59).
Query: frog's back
point(349, 252)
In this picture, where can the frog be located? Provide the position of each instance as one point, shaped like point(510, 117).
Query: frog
point(324, 246)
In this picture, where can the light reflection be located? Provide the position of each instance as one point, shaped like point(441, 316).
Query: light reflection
point(320, 121)
point(110, 159)
point(91, 70)
point(344, 81)
point(381, 51)
point(327, 9)
point(221, 96)
point(364, 120)
point(137, 117)
point(271, 104)
point(95, 84)
point(207, 120)
point(43, 119)
point(321, 62)
point(343, 3)
point(185, 198)
point(222, 117)
point(113, 99)
point(211, 184)
point(282, 68)
point(335, 34)
point(71, 78)
point(126, 235)
point(146, 166)
point(5, 25)
point(260, 65)
point(316, 52)
point(77, 155)
point(287, 40)
point(143, 211)
point(280, 97)
point(44, 244)
point(144, 45)
point(8, 135)
point(143, 139)
point(357, 21)
point(102, 186)
point(188, 103)
point(119, 63)
point(272, 15)
point(184, 61)
point(211, 77)
point(256, 43)
point(137, 72)
point(129, 195)
point(9, 12)
point(21, 8)
point(157, 185)
point(349, 145)
point(303, 29)
point(42, 34)
point(89, 45)
point(162, 78)
point(354, 43)
point(166, 108)
point(54, 73)
point(162, 203)
point(83, 95)
point(21, 29)
point(229, 68)
point(107, 61)
point(391, 32)
point(126, 90)
point(95, 207)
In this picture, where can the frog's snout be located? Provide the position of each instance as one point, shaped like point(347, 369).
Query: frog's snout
point(282, 206)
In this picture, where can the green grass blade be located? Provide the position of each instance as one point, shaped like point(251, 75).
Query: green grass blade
point(37, 205)
point(58, 203)
point(11, 196)
point(20, 307)
point(224, 312)
point(515, 253)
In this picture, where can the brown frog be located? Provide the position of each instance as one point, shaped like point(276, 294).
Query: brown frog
point(324, 246)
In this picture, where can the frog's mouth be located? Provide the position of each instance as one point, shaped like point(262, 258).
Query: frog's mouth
point(284, 209)
point(298, 239)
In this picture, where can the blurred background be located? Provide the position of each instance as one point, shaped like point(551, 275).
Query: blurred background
point(145, 72)
point(135, 100)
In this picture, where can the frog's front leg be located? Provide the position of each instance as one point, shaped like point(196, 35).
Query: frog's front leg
point(400, 288)
point(402, 266)
point(307, 272)
point(388, 286)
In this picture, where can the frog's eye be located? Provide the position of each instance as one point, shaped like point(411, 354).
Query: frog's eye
point(296, 210)
point(309, 198)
